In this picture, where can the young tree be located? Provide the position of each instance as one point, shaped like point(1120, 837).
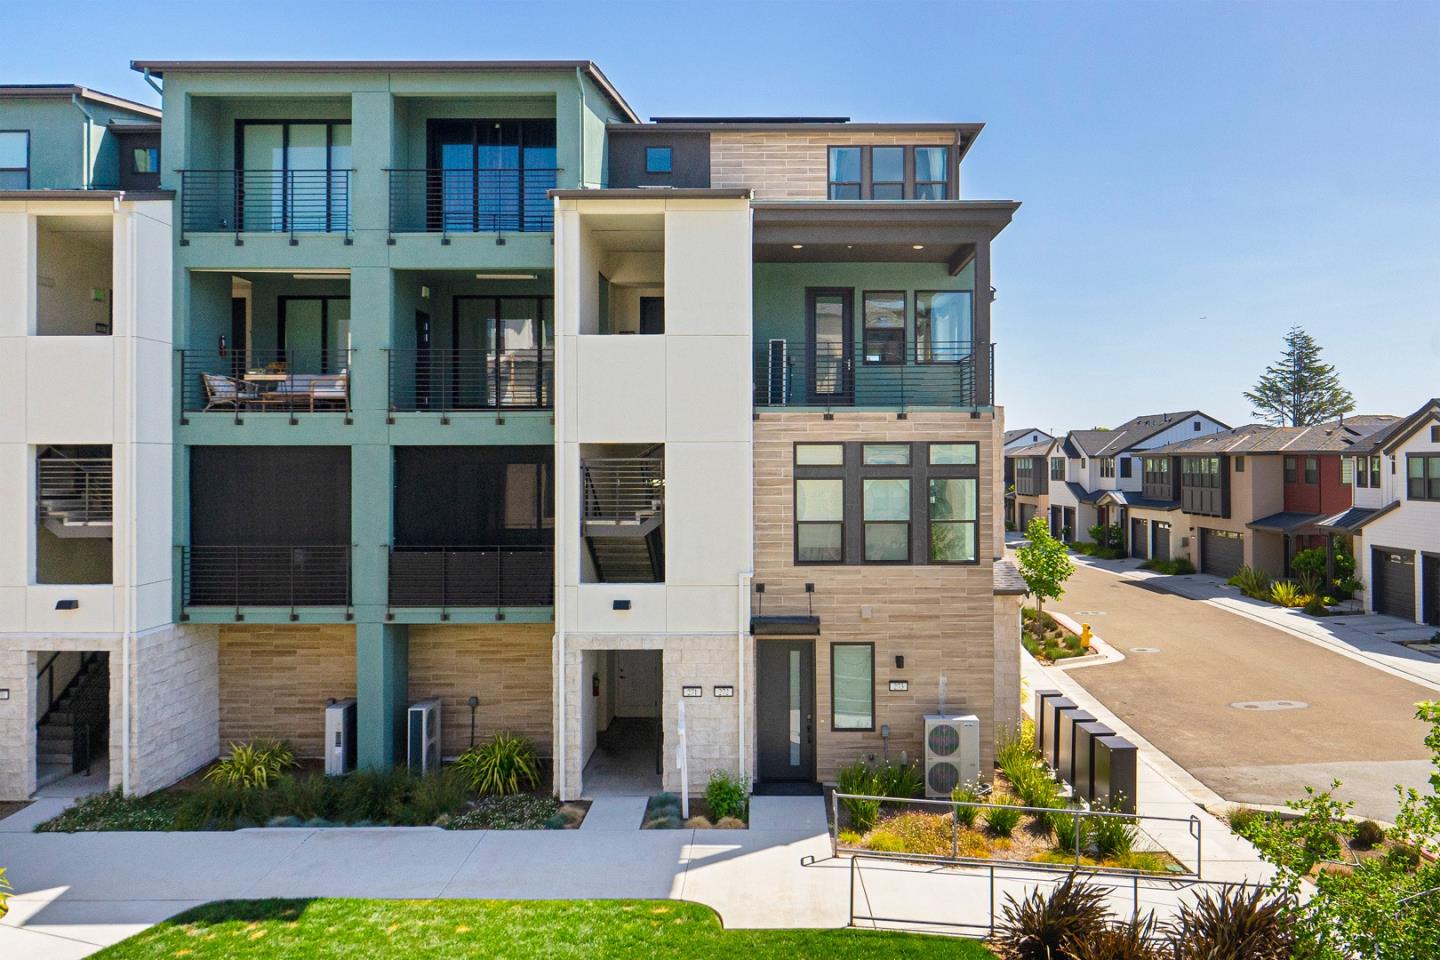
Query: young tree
point(1044, 563)
point(1298, 390)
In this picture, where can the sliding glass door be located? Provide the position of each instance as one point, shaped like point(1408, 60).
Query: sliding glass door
point(502, 351)
point(491, 175)
point(294, 176)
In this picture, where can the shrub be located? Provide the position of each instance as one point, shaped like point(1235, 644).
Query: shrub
point(1234, 923)
point(857, 778)
point(726, 796)
point(965, 795)
point(504, 764)
point(698, 822)
point(1113, 837)
point(1245, 822)
point(1347, 587)
point(924, 833)
point(1403, 857)
point(884, 841)
point(221, 806)
point(253, 765)
point(849, 838)
point(1135, 939)
point(5, 889)
point(1369, 834)
point(1035, 787)
point(903, 781)
point(1041, 927)
point(1309, 584)
point(1018, 746)
point(1252, 582)
point(730, 823)
point(440, 793)
point(1309, 562)
point(1002, 820)
point(1286, 593)
point(1315, 605)
point(515, 812)
point(372, 796)
point(1074, 833)
point(114, 811)
point(309, 798)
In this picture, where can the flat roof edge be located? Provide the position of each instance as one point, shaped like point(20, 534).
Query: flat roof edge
point(51, 91)
point(655, 193)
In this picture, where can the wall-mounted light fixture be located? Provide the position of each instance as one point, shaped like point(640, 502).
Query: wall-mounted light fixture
point(900, 661)
point(619, 604)
point(67, 604)
point(507, 276)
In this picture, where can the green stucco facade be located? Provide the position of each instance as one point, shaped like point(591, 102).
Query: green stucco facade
point(60, 136)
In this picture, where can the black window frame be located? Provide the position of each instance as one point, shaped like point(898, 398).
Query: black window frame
point(1426, 486)
point(1239, 462)
point(1292, 469)
point(1057, 468)
point(865, 328)
point(1360, 469)
point(1312, 471)
point(29, 157)
point(1375, 471)
point(152, 154)
point(957, 357)
point(1127, 468)
point(908, 523)
point(831, 183)
point(658, 150)
point(872, 183)
point(817, 472)
point(852, 643)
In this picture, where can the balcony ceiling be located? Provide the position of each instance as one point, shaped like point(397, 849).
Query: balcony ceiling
point(901, 231)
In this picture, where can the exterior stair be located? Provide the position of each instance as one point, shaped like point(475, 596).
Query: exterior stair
point(79, 716)
point(74, 495)
point(627, 559)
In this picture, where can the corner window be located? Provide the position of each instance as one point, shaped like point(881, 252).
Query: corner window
point(1312, 471)
point(1291, 466)
point(145, 160)
point(1107, 467)
point(1347, 471)
point(657, 160)
point(819, 520)
point(942, 326)
point(844, 173)
point(887, 173)
point(852, 686)
point(953, 519)
point(932, 169)
point(1422, 477)
point(14, 159)
point(885, 327)
point(886, 505)
point(1375, 471)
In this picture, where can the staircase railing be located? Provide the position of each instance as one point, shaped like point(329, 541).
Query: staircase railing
point(75, 489)
point(623, 490)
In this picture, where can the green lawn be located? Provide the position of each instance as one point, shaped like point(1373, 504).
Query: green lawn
point(379, 929)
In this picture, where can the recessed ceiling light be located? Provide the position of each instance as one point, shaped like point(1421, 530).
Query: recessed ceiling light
point(796, 246)
point(507, 276)
point(917, 246)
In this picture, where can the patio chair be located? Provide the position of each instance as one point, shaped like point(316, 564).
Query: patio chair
point(223, 391)
point(331, 389)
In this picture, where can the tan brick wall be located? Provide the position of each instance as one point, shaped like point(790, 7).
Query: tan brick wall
point(940, 618)
point(508, 666)
point(274, 681)
point(780, 165)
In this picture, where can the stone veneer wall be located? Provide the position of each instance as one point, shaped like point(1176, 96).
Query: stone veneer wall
point(941, 618)
point(508, 666)
point(1007, 663)
point(275, 679)
point(792, 165)
point(711, 723)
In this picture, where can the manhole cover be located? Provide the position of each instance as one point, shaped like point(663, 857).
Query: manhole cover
point(1089, 613)
point(1270, 705)
point(1144, 649)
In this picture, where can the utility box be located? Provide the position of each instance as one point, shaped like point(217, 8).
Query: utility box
point(952, 753)
point(1085, 736)
point(1042, 697)
point(423, 736)
point(340, 737)
point(1055, 707)
point(1065, 768)
point(1115, 776)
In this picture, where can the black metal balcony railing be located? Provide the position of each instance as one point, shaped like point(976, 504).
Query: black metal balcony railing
point(623, 490)
point(446, 201)
point(264, 201)
point(75, 491)
point(802, 374)
point(288, 381)
point(472, 576)
point(236, 576)
point(448, 380)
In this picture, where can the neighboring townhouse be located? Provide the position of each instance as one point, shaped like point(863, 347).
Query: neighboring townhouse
point(487, 393)
point(1028, 488)
point(1253, 496)
point(1395, 521)
point(85, 447)
point(1014, 440)
point(1095, 475)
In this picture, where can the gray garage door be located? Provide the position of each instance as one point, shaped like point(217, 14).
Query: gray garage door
point(1393, 573)
point(1139, 541)
point(1162, 541)
point(1027, 513)
point(1221, 552)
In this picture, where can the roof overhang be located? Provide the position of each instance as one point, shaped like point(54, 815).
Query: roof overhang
point(1285, 522)
point(158, 68)
point(655, 193)
point(49, 91)
point(1407, 427)
point(908, 231)
point(785, 626)
point(1349, 523)
point(91, 195)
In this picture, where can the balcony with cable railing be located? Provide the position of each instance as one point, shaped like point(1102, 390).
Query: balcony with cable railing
point(286, 201)
point(829, 377)
point(451, 201)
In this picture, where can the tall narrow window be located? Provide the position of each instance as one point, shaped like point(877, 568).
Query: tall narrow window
point(887, 173)
point(953, 520)
point(14, 159)
point(942, 326)
point(1126, 467)
point(1291, 466)
point(1375, 472)
point(819, 520)
point(887, 520)
point(1312, 470)
point(844, 173)
point(932, 173)
point(852, 686)
point(1347, 471)
point(885, 327)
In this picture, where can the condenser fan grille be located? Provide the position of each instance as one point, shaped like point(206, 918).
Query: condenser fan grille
point(944, 740)
point(943, 777)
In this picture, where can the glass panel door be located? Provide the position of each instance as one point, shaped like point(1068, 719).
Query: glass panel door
point(306, 155)
point(474, 355)
point(829, 351)
point(497, 162)
point(338, 188)
point(337, 336)
point(301, 319)
point(262, 162)
point(516, 346)
point(453, 193)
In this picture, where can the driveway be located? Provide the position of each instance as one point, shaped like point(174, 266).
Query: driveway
point(1356, 723)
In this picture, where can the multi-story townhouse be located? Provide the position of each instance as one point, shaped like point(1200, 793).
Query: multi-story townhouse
point(1014, 440)
point(1027, 471)
point(1253, 496)
point(487, 392)
point(1095, 475)
point(86, 642)
point(1395, 520)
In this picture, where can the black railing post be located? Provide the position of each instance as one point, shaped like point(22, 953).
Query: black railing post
point(237, 191)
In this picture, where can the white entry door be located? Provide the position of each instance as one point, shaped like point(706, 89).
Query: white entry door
point(637, 683)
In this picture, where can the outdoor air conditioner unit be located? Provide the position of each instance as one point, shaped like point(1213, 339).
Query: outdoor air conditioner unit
point(340, 737)
point(952, 753)
point(423, 736)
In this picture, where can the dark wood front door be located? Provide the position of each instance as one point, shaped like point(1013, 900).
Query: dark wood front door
point(1430, 588)
point(830, 345)
point(785, 710)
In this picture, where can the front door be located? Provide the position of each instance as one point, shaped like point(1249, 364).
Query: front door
point(785, 710)
point(637, 683)
point(1430, 588)
point(829, 345)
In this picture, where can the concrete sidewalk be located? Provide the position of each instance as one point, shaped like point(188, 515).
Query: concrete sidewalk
point(1369, 637)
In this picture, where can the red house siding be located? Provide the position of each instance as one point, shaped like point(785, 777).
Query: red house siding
point(1327, 497)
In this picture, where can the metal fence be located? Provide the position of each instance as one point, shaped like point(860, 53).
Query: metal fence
point(472, 576)
point(623, 490)
point(792, 373)
point(264, 201)
point(266, 576)
point(445, 380)
point(238, 381)
point(467, 200)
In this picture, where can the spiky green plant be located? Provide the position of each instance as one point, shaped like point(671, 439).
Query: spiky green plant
point(964, 797)
point(5, 889)
point(252, 766)
point(1001, 819)
point(1137, 939)
point(504, 764)
point(859, 779)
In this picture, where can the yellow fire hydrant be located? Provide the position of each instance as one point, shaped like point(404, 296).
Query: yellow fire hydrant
point(1085, 636)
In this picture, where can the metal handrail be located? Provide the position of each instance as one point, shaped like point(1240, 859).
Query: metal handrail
point(444, 380)
point(623, 489)
point(472, 575)
point(74, 490)
point(1193, 825)
point(809, 374)
point(238, 381)
point(471, 200)
point(264, 201)
point(266, 576)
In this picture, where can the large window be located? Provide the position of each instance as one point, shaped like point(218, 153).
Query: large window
point(1107, 467)
point(1057, 468)
point(942, 326)
point(492, 174)
point(1200, 472)
point(14, 159)
point(1127, 467)
point(845, 173)
point(1367, 472)
point(1422, 477)
point(932, 173)
point(887, 173)
point(859, 502)
point(852, 686)
point(885, 327)
point(294, 175)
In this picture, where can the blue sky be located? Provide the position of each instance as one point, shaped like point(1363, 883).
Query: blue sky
point(1255, 165)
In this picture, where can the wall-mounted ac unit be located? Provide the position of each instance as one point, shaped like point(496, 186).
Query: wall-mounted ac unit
point(340, 737)
point(952, 753)
point(423, 736)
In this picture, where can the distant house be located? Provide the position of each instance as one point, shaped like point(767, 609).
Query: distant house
point(1027, 472)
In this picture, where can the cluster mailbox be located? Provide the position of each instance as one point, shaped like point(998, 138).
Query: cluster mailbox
point(1042, 699)
point(1085, 736)
point(1069, 742)
point(1055, 708)
point(1114, 774)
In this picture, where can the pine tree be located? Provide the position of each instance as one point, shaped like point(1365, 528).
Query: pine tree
point(1299, 390)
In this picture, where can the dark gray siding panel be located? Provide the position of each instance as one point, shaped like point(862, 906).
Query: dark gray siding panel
point(689, 156)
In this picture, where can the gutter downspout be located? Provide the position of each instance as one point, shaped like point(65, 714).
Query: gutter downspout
point(89, 168)
point(153, 85)
point(131, 498)
point(561, 520)
point(580, 88)
point(742, 630)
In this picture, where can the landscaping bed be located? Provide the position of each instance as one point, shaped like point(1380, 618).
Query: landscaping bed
point(514, 929)
point(725, 805)
point(1046, 640)
point(1180, 567)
